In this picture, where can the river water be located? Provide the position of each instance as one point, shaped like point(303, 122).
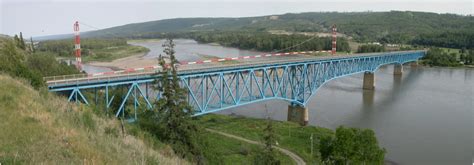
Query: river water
point(424, 116)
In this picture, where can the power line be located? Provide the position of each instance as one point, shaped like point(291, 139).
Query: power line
point(97, 29)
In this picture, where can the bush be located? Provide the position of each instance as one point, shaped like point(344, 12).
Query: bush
point(46, 64)
point(370, 48)
point(351, 146)
point(438, 57)
point(12, 62)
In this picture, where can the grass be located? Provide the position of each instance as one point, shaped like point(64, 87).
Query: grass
point(41, 128)
point(217, 149)
point(289, 135)
point(223, 150)
point(113, 53)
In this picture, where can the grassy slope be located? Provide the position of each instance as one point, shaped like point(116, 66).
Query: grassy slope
point(217, 149)
point(223, 150)
point(289, 135)
point(38, 127)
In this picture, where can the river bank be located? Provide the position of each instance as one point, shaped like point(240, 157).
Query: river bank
point(134, 61)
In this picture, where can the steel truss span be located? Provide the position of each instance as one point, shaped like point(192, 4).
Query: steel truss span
point(216, 89)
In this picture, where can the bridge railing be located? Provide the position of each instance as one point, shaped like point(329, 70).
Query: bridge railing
point(68, 79)
point(64, 77)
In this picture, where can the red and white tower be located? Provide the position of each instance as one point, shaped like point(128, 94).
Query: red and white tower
point(333, 51)
point(77, 46)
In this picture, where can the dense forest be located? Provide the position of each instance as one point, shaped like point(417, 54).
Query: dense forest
point(92, 49)
point(65, 48)
point(446, 39)
point(269, 42)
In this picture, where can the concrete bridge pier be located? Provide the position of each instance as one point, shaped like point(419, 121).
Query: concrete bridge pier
point(298, 114)
point(398, 69)
point(369, 81)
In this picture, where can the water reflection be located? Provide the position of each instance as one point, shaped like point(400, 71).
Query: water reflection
point(367, 98)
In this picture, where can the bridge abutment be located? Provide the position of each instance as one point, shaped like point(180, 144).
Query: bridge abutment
point(369, 81)
point(398, 69)
point(414, 63)
point(298, 114)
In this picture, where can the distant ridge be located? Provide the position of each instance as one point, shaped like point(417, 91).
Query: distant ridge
point(54, 37)
point(363, 26)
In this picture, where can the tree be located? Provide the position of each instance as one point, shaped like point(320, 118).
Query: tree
point(22, 44)
point(12, 61)
point(171, 120)
point(32, 45)
point(267, 156)
point(370, 48)
point(351, 146)
point(16, 40)
point(438, 57)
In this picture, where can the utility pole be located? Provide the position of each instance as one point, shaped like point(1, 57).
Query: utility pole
point(311, 143)
point(334, 35)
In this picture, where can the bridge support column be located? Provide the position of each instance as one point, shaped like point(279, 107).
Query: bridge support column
point(398, 69)
point(298, 114)
point(369, 81)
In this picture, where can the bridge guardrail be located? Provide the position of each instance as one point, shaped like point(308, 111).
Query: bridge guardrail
point(65, 79)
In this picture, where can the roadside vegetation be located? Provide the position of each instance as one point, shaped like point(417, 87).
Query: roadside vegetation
point(103, 50)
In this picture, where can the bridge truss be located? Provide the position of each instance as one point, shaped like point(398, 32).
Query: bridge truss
point(218, 89)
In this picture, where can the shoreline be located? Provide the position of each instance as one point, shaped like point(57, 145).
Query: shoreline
point(133, 61)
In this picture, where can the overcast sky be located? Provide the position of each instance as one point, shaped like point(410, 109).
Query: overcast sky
point(47, 17)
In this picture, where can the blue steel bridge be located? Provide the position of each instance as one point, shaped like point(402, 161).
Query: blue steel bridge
point(215, 88)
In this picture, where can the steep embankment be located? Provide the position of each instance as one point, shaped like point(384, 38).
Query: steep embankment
point(39, 127)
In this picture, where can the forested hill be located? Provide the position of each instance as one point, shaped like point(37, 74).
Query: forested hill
point(390, 27)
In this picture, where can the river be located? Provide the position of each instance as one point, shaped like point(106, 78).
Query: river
point(423, 117)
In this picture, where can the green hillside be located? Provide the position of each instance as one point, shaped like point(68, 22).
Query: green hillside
point(391, 27)
point(41, 128)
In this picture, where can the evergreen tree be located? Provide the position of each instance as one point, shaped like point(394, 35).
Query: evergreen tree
point(32, 45)
point(22, 44)
point(268, 156)
point(171, 118)
point(17, 41)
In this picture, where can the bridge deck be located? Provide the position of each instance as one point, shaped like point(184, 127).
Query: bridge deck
point(66, 80)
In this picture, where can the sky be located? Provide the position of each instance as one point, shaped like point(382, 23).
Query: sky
point(49, 17)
